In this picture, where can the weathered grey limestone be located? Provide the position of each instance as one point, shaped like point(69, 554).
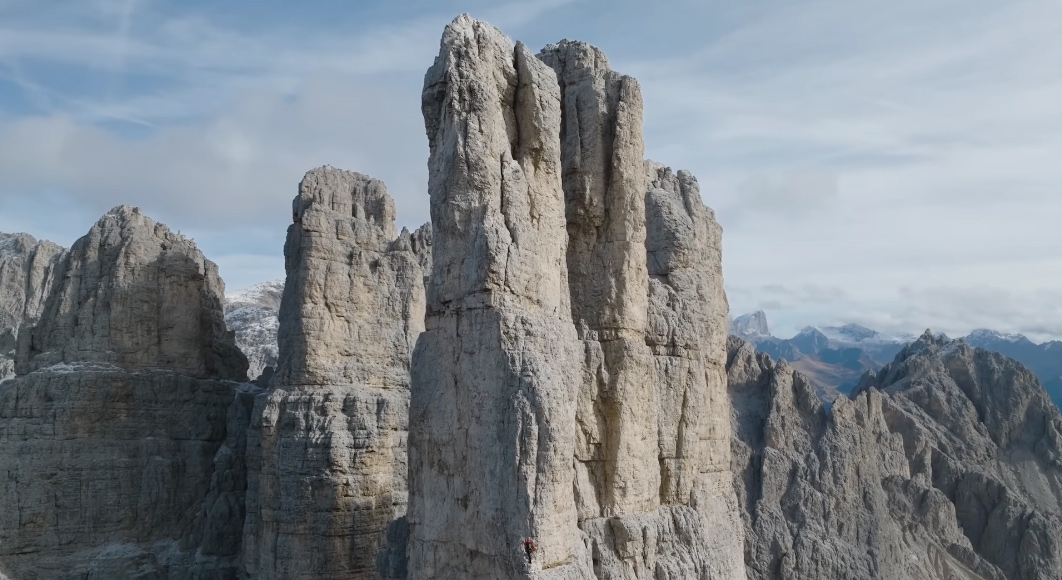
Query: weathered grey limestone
point(545, 368)
point(686, 330)
point(26, 270)
point(604, 189)
point(918, 480)
point(647, 295)
point(108, 447)
point(327, 448)
point(492, 409)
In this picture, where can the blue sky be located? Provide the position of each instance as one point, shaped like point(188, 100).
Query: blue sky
point(892, 163)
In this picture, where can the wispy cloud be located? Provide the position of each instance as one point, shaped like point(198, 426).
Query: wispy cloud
point(942, 123)
point(869, 158)
point(208, 126)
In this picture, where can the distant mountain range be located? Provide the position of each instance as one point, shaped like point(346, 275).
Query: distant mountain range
point(835, 357)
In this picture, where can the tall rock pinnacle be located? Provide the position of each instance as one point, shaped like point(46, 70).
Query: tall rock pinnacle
point(604, 189)
point(492, 409)
point(556, 357)
point(326, 449)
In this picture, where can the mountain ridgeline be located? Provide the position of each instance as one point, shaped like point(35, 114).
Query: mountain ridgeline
point(538, 384)
point(836, 357)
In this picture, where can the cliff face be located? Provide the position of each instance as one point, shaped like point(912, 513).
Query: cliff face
point(114, 434)
point(550, 361)
point(492, 416)
point(27, 267)
point(687, 332)
point(943, 465)
point(133, 294)
point(327, 448)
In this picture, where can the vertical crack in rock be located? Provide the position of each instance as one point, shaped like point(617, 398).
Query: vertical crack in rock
point(327, 446)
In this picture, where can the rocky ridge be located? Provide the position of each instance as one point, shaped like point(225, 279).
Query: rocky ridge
point(942, 465)
point(836, 357)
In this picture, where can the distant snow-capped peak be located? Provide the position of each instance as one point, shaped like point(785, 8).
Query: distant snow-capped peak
point(855, 334)
point(986, 335)
point(263, 294)
point(750, 326)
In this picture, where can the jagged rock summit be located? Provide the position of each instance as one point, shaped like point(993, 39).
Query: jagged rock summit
point(945, 464)
point(539, 203)
point(1044, 359)
point(133, 294)
point(117, 437)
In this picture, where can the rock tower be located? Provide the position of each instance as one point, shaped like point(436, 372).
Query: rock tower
point(570, 386)
point(327, 446)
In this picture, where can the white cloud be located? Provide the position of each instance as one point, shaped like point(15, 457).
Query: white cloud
point(943, 125)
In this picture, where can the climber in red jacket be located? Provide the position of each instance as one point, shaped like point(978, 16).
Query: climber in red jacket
point(529, 546)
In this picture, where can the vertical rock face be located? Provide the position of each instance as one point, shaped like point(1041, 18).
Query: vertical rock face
point(556, 359)
point(604, 189)
point(687, 332)
point(492, 410)
point(109, 446)
point(950, 470)
point(26, 271)
point(327, 453)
